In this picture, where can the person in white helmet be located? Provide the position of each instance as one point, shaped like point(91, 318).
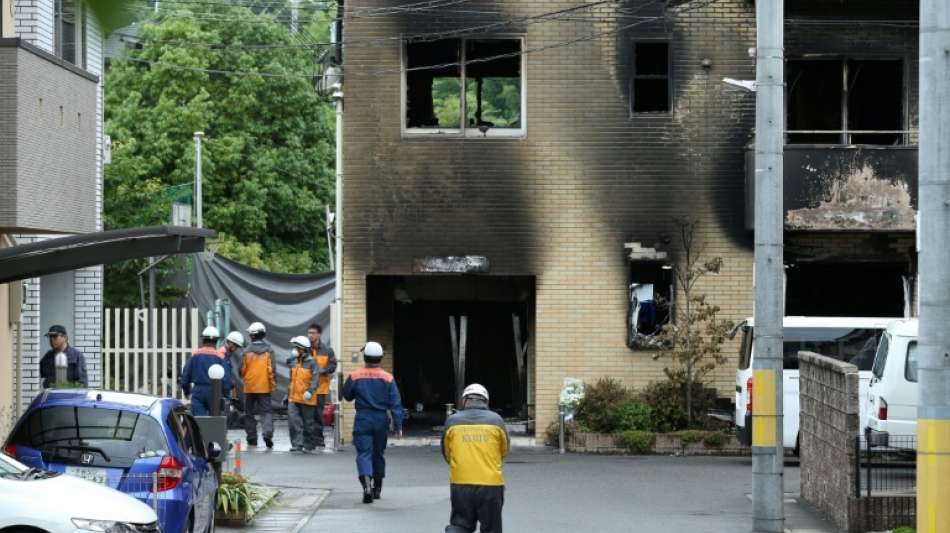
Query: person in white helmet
point(259, 373)
point(302, 395)
point(233, 351)
point(474, 444)
point(194, 377)
point(376, 396)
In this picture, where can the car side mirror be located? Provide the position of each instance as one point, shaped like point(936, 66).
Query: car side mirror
point(214, 450)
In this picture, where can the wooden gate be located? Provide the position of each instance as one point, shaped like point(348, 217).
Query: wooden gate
point(144, 350)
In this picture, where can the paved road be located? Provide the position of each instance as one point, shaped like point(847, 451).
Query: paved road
point(546, 492)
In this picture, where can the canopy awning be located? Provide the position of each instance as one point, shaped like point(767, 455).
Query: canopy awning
point(78, 251)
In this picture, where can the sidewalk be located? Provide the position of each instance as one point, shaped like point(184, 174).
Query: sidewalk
point(545, 492)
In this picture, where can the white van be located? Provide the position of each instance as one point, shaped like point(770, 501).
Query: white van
point(892, 393)
point(849, 339)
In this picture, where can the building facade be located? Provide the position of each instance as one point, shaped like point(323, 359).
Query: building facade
point(51, 172)
point(529, 165)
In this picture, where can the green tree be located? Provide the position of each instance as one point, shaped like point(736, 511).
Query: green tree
point(693, 340)
point(268, 153)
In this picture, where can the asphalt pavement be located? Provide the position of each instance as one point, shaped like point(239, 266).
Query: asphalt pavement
point(545, 492)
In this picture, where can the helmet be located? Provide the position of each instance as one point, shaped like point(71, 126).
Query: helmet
point(236, 338)
point(475, 390)
point(256, 328)
point(372, 352)
point(301, 342)
point(210, 332)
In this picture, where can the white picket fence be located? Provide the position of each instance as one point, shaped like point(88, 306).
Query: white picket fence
point(144, 350)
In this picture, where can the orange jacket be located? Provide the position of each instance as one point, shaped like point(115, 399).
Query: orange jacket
point(326, 362)
point(303, 378)
point(258, 369)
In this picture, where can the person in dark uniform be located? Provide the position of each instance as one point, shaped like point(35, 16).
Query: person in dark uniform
point(195, 381)
point(374, 392)
point(475, 443)
point(75, 360)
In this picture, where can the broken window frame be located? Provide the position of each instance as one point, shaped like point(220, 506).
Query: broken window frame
point(462, 130)
point(845, 134)
point(663, 301)
point(655, 39)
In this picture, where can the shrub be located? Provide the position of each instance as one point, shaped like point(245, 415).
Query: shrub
point(690, 436)
point(551, 433)
point(714, 439)
point(668, 403)
point(631, 415)
point(595, 409)
point(638, 442)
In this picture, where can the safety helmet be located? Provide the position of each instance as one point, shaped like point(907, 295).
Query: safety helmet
point(372, 352)
point(210, 332)
point(236, 338)
point(301, 342)
point(475, 390)
point(256, 328)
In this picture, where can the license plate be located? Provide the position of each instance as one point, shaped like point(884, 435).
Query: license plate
point(96, 475)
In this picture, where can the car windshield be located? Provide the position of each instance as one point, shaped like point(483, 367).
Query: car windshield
point(880, 358)
point(91, 436)
point(853, 345)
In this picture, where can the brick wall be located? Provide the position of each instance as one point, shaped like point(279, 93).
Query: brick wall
point(829, 425)
point(560, 203)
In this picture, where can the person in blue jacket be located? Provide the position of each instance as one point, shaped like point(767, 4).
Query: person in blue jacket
point(374, 391)
point(194, 377)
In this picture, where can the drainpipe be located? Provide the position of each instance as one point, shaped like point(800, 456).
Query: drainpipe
point(338, 259)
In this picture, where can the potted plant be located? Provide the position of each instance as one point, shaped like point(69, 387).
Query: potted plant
point(234, 500)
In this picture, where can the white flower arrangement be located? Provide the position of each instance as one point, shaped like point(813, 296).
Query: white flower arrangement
point(571, 396)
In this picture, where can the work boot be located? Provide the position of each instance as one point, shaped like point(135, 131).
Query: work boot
point(252, 442)
point(367, 489)
point(269, 442)
point(377, 487)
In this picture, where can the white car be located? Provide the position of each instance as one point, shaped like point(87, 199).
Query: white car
point(892, 394)
point(37, 501)
point(847, 339)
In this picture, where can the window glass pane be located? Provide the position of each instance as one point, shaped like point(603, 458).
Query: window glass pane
point(876, 100)
point(880, 358)
point(651, 95)
point(69, 28)
point(65, 432)
point(814, 100)
point(493, 83)
point(652, 59)
point(855, 346)
point(433, 90)
point(745, 349)
point(910, 369)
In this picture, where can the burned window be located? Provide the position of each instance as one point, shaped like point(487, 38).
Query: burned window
point(835, 101)
point(651, 296)
point(651, 77)
point(473, 86)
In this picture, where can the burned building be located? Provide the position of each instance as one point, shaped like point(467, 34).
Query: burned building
point(514, 173)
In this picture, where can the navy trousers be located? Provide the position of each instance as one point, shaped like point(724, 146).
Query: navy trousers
point(370, 434)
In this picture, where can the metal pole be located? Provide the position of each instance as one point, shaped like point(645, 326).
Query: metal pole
point(933, 415)
point(560, 432)
point(338, 225)
point(151, 284)
point(294, 17)
point(768, 513)
point(198, 204)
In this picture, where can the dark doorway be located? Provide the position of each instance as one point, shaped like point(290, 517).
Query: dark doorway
point(424, 357)
point(845, 289)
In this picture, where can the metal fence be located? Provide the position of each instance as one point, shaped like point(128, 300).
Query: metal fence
point(885, 465)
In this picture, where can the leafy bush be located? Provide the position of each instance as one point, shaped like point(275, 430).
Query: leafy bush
point(690, 436)
point(551, 433)
point(631, 415)
point(668, 402)
point(234, 494)
point(638, 442)
point(715, 439)
point(595, 409)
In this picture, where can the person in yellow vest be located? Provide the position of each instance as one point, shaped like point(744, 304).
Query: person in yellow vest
point(475, 443)
point(259, 372)
point(301, 395)
point(326, 364)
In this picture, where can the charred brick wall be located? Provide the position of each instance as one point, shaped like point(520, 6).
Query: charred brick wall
point(587, 177)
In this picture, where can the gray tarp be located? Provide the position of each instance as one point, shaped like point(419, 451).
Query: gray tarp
point(285, 303)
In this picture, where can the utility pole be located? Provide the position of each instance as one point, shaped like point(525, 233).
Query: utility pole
point(338, 218)
point(198, 207)
point(294, 15)
point(933, 414)
point(768, 453)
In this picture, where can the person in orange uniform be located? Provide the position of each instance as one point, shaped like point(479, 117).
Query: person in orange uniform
point(259, 372)
point(326, 364)
point(301, 395)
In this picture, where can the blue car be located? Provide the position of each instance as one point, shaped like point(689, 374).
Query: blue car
point(150, 448)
